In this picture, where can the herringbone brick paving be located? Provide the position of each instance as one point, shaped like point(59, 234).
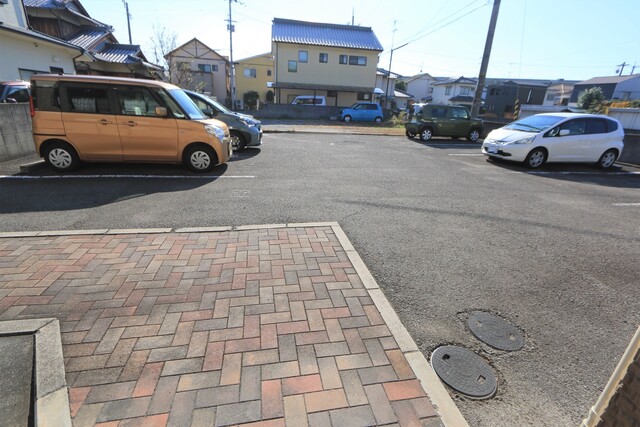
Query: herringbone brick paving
point(265, 327)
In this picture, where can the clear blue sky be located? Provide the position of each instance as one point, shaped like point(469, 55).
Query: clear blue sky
point(540, 39)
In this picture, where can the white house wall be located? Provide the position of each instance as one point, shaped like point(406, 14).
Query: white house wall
point(31, 54)
point(12, 14)
point(632, 86)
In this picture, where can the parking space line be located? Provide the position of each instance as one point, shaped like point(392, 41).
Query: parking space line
point(626, 204)
point(466, 154)
point(26, 177)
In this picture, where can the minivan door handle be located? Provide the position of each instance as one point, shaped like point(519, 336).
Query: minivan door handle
point(105, 122)
point(131, 123)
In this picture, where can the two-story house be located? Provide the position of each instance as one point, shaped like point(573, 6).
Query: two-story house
point(336, 61)
point(255, 74)
point(420, 86)
point(454, 91)
point(623, 88)
point(26, 52)
point(69, 21)
point(196, 66)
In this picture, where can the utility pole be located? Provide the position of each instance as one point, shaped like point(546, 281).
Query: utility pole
point(126, 8)
point(624, 64)
point(485, 59)
point(232, 79)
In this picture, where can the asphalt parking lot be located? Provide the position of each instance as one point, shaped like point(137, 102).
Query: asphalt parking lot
point(443, 231)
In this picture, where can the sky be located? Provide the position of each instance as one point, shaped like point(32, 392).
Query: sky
point(534, 39)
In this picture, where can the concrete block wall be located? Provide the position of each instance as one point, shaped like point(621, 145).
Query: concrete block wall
point(16, 139)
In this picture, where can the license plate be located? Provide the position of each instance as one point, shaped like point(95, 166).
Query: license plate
point(492, 149)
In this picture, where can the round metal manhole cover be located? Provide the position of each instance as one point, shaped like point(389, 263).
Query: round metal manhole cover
point(464, 371)
point(495, 331)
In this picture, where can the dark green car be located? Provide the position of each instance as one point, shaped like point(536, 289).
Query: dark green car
point(429, 120)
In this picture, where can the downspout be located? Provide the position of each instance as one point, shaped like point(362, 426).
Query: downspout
point(595, 413)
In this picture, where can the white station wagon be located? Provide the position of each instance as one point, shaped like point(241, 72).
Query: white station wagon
point(557, 137)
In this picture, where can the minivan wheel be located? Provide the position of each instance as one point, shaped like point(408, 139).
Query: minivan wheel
point(474, 135)
point(536, 158)
point(200, 158)
point(426, 134)
point(61, 157)
point(347, 119)
point(378, 119)
point(607, 159)
point(410, 134)
point(238, 141)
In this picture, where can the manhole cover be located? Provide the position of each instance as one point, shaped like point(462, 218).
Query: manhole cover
point(464, 371)
point(495, 331)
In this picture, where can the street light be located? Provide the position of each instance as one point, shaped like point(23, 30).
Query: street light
point(386, 93)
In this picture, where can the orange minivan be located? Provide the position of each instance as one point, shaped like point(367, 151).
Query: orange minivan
point(110, 119)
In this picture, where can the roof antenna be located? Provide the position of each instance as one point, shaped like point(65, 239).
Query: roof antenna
point(352, 16)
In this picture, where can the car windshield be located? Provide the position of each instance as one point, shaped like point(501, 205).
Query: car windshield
point(216, 104)
point(187, 104)
point(537, 123)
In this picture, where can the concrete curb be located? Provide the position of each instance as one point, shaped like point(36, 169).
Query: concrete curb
point(449, 414)
point(51, 396)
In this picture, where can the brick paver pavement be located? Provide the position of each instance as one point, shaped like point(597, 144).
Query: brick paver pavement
point(265, 327)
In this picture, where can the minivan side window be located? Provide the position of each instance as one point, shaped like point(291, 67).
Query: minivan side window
point(136, 101)
point(88, 99)
point(611, 125)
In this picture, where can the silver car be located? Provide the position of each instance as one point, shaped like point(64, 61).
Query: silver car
point(557, 137)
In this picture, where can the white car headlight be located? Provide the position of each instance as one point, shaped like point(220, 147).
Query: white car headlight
point(527, 140)
point(216, 131)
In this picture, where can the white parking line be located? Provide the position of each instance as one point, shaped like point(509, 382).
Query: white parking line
point(466, 154)
point(128, 176)
point(626, 204)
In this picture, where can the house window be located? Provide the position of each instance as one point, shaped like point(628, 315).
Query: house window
point(551, 96)
point(250, 73)
point(364, 96)
point(269, 73)
point(56, 70)
point(324, 57)
point(343, 59)
point(357, 60)
point(465, 90)
point(303, 56)
point(332, 94)
point(205, 68)
point(447, 90)
point(293, 66)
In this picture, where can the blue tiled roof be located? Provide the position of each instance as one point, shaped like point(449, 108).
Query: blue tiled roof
point(312, 33)
point(87, 37)
point(120, 53)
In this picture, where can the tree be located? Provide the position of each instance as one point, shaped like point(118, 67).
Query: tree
point(592, 100)
point(270, 95)
point(163, 41)
point(251, 98)
point(400, 85)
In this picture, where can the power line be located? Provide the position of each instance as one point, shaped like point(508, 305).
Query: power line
point(418, 35)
